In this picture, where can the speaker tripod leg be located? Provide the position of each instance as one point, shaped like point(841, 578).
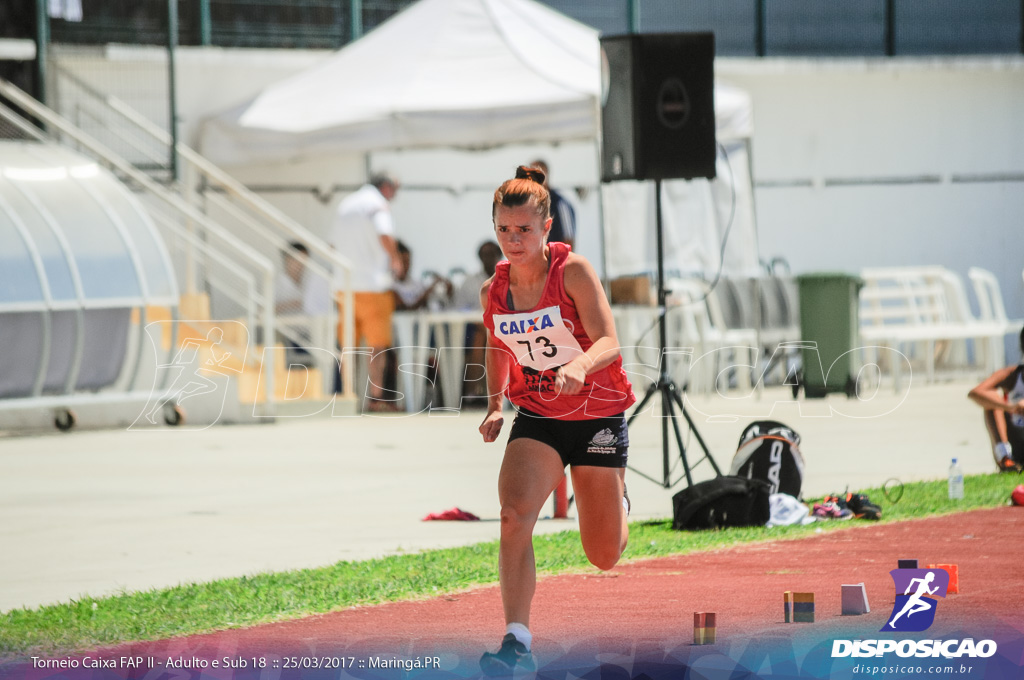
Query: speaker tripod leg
point(696, 433)
point(669, 397)
point(655, 388)
point(643, 402)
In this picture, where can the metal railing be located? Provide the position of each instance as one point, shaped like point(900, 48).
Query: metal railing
point(208, 239)
point(306, 24)
point(240, 211)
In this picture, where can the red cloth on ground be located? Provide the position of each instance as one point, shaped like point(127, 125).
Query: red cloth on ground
point(453, 514)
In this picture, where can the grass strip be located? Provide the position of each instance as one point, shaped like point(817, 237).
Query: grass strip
point(90, 623)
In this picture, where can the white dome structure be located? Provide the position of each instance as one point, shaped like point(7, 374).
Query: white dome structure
point(80, 263)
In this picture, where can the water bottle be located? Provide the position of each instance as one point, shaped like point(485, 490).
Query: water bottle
point(956, 481)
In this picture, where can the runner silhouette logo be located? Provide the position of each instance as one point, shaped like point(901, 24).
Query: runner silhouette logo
point(914, 610)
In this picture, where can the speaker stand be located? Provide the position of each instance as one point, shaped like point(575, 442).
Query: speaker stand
point(671, 399)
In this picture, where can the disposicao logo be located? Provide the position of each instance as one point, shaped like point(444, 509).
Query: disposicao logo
point(914, 610)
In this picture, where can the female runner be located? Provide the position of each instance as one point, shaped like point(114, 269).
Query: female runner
point(553, 351)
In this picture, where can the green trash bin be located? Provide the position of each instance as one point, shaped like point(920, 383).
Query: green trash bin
point(830, 330)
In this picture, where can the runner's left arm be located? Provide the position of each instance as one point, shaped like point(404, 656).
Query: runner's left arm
point(583, 286)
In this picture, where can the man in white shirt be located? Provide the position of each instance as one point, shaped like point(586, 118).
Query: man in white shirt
point(364, 232)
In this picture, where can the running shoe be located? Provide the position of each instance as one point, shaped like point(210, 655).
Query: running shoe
point(512, 654)
point(625, 498)
point(826, 510)
point(1008, 464)
point(831, 510)
point(862, 506)
point(840, 501)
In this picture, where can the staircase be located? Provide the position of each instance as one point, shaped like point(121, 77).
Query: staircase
point(227, 247)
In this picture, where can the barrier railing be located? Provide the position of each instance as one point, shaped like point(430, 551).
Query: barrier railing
point(185, 216)
point(208, 188)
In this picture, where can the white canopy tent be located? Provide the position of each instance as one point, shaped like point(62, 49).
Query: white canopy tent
point(465, 73)
point(477, 74)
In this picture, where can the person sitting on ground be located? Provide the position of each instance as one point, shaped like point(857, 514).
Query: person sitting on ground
point(413, 293)
point(1002, 396)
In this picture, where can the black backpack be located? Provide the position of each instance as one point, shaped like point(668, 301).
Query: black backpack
point(722, 502)
point(770, 451)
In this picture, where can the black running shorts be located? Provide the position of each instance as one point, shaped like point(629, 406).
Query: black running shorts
point(598, 442)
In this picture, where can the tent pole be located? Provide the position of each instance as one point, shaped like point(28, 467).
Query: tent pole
point(753, 197)
point(42, 50)
point(759, 387)
point(356, 12)
point(172, 97)
point(605, 279)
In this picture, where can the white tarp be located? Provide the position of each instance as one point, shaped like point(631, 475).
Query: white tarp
point(699, 217)
point(484, 73)
point(466, 73)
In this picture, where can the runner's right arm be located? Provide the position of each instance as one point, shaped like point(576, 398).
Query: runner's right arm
point(496, 363)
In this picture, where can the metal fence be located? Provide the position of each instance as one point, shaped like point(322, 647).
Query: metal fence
point(308, 24)
point(741, 27)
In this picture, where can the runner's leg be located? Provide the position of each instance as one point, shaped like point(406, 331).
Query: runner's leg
point(603, 527)
point(529, 473)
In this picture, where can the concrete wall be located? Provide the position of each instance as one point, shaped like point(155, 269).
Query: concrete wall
point(857, 162)
point(890, 162)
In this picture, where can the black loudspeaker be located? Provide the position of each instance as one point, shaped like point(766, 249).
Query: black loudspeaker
point(658, 106)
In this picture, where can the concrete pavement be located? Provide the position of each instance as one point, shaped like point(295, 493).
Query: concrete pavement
point(104, 511)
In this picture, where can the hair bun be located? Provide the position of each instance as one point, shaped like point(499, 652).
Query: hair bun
point(526, 172)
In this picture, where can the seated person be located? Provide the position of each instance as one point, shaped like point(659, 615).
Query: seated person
point(467, 297)
point(298, 293)
point(410, 293)
point(1002, 396)
point(289, 287)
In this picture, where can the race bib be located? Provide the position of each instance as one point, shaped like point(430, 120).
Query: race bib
point(540, 340)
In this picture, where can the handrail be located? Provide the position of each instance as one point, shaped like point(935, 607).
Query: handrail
point(29, 104)
point(90, 115)
point(288, 229)
point(232, 185)
point(14, 119)
point(171, 200)
point(237, 212)
point(252, 212)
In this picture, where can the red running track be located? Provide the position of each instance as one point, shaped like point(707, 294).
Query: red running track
point(652, 601)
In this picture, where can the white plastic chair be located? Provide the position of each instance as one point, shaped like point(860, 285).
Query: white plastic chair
point(990, 297)
point(992, 310)
point(698, 316)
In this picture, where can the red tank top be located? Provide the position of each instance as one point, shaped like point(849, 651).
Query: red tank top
point(546, 337)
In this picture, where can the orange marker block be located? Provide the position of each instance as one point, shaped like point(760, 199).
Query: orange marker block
point(954, 577)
